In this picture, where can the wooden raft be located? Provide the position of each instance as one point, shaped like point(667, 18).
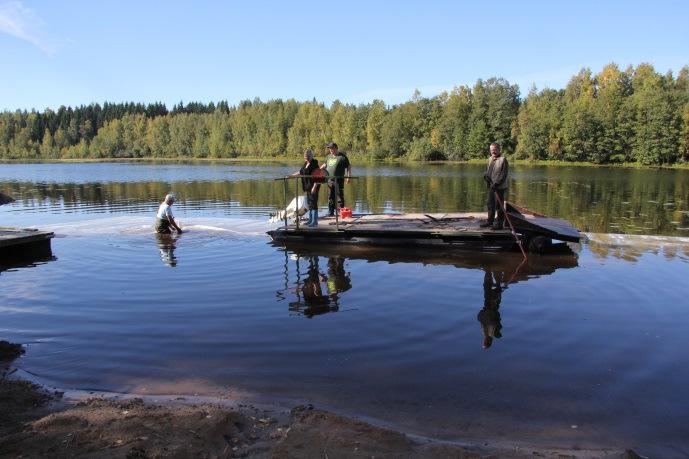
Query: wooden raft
point(448, 230)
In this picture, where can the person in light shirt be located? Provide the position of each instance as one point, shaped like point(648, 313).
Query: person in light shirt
point(165, 222)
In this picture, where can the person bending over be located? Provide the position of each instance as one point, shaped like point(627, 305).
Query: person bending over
point(165, 222)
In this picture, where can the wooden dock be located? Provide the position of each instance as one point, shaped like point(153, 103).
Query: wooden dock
point(24, 243)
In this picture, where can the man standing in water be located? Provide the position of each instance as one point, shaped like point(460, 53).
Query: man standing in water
point(164, 218)
point(496, 180)
point(337, 164)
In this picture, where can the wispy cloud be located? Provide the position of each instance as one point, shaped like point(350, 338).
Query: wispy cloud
point(21, 22)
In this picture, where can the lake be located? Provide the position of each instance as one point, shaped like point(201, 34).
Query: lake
point(584, 348)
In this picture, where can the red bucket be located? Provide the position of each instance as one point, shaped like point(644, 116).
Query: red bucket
point(345, 212)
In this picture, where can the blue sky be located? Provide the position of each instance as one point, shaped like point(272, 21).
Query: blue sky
point(76, 52)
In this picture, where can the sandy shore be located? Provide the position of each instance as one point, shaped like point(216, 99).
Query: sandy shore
point(39, 422)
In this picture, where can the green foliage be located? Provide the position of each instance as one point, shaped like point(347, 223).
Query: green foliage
point(635, 115)
point(539, 124)
point(374, 126)
point(684, 135)
point(422, 150)
point(612, 117)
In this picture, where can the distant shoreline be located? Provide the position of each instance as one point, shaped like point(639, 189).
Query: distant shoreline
point(290, 161)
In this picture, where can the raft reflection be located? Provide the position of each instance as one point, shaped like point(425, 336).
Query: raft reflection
point(319, 293)
point(16, 263)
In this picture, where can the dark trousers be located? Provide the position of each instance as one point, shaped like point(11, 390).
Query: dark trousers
point(162, 226)
point(335, 191)
point(312, 199)
point(493, 205)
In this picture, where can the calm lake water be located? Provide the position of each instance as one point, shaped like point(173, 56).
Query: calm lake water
point(589, 348)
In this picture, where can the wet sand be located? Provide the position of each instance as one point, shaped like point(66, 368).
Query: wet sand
point(39, 422)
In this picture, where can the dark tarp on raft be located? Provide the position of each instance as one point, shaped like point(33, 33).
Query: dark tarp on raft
point(4, 199)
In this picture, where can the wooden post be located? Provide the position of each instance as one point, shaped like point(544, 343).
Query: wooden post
point(296, 197)
point(284, 198)
point(336, 187)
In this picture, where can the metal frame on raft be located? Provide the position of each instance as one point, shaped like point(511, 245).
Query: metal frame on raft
point(325, 180)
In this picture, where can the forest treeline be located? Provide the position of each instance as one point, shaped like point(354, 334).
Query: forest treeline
point(636, 115)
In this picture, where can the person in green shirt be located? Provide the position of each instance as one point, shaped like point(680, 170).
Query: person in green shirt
point(337, 164)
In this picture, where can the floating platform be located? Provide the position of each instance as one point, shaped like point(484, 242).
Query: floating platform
point(444, 231)
point(24, 244)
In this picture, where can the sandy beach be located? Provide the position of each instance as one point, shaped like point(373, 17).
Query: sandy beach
point(37, 421)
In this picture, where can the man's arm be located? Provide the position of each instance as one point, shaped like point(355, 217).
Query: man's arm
point(174, 224)
point(172, 221)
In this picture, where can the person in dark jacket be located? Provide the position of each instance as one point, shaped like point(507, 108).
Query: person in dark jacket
point(496, 180)
point(309, 186)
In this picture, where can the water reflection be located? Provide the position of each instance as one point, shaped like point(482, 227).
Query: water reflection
point(167, 243)
point(312, 298)
point(489, 316)
point(11, 263)
point(318, 292)
point(338, 280)
point(593, 199)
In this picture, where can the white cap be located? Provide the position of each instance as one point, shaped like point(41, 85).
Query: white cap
point(170, 197)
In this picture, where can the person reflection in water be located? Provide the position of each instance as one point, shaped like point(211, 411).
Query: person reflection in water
point(338, 280)
point(315, 301)
point(489, 316)
point(166, 246)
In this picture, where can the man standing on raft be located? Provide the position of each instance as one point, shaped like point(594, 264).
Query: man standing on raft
point(496, 180)
point(336, 164)
point(310, 185)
